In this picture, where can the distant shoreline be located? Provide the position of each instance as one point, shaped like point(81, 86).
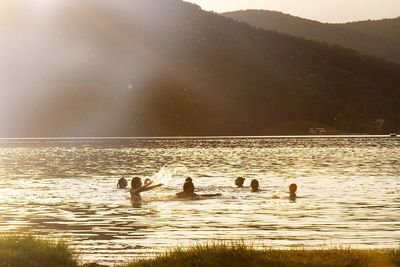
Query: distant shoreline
point(198, 137)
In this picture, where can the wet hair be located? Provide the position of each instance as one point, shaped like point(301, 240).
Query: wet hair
point(122, 183)
point(293, 188)
point(239, 181)
point(188, 179)
point(254, 185)
point(188, 187)
point(136, 182)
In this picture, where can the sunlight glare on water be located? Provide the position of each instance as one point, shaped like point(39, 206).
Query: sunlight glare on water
point(349, 192)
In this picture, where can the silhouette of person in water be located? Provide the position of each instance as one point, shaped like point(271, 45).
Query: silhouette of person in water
point(188, 179)
point(137, 188)
point(122, 183)
point(254, 186)
point(292, 192)
point(188, 192)
point(239, 182)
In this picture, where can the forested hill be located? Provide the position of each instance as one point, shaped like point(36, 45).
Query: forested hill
point(380, 38)
point(388, 29)
point(166, 67)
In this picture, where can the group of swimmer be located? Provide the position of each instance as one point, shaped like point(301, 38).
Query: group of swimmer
point(255, 187)
point(137, 187)
point(188, 188)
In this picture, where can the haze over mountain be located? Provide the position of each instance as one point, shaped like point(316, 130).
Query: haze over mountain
point(166, 67)
point(380, 38)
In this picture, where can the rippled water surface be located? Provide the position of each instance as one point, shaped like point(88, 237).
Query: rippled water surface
point(349, 192)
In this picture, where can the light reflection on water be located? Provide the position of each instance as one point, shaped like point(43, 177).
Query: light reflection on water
point(349, 192)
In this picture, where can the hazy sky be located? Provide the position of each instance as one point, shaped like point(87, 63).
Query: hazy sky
point(321, 10)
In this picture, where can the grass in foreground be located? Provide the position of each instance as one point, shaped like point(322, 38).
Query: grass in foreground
point(241, 255)
point(28, 251)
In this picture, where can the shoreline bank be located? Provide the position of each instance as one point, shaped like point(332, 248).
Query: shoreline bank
point(22, 251)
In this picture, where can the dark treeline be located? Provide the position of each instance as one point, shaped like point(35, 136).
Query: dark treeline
point(165, 67)
point(380, 38)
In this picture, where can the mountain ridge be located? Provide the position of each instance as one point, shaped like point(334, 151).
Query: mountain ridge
point(168, 68)
point(367, 37)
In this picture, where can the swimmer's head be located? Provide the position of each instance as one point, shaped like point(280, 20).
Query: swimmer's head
point(254, 185)
point(293, 188)
point(136, 182)
point(239, 181)
point(147, 181)
point(122, 183)
point(188, 179)
point(188, 188)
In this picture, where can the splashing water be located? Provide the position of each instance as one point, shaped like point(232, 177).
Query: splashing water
point(165, 174)
point(348, 193)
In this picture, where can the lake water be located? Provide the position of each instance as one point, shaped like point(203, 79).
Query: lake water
point(348, 188)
